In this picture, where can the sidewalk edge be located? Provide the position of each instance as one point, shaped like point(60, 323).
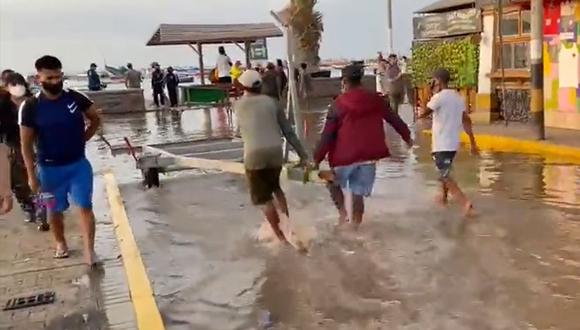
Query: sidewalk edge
point(510, 144)
point(146, 310)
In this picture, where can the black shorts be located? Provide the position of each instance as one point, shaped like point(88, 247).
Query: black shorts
point(225, 80)
point(263, 183)
point(443, 162)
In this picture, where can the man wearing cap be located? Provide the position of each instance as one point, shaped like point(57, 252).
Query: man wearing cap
point(449, 119)
point(262, 126)
point(354, 140)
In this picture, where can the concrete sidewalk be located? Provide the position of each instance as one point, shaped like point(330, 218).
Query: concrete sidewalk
point(97, 299)
point(557, 136)
point(559, 145)
point(27, 268)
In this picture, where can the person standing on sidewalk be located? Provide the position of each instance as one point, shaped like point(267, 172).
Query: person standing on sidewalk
point(172, 82)
point(18, 91)
point(263, 124)
point(133, 78)
point(54, 123)
point(157, 84)
point(354, 140)
point(449, 119)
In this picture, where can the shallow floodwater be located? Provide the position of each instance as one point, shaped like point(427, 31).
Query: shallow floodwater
point(413, 265)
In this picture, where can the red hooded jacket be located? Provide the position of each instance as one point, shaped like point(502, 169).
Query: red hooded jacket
point(354, 131)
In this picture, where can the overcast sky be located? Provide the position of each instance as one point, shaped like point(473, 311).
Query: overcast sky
point(80, 31)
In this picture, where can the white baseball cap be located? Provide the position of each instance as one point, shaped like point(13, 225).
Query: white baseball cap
point(250, 79)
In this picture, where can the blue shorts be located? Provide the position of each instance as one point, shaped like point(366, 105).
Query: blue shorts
point(358, 178)
point(74, 180)
point(443, 162)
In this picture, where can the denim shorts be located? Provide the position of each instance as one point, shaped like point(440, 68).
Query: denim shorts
point(443, 162)
point(72, 180)
point(358, 178)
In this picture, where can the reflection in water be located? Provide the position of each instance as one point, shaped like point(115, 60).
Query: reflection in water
point(413, 266)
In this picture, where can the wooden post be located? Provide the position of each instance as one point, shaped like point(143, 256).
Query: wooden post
point(201, 68)
point(247, 50)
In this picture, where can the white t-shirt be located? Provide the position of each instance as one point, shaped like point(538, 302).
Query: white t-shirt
point(448, 107)
point(223, 66)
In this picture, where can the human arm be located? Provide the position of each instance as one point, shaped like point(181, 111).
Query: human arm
point(468, 128)
point(432, 106)
point(290, 135)
point(397, 123)
point(27, 139)
point(90, 113)
point(94, 122)
point(329, 134)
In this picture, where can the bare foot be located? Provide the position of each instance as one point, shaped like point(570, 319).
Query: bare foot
point(6, 205)
point(468, 209)
point(441, 200)
point(91, 259)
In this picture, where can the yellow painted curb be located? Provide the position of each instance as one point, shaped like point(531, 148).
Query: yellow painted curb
point(509, 144)
point(146, 311)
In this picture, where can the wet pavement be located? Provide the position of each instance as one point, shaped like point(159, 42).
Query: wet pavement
point(413, 265)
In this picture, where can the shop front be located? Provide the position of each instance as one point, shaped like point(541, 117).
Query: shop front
point(562, 64)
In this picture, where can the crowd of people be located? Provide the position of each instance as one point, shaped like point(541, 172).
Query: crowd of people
point(43, 137)
point(42, 152)
point(353, 140)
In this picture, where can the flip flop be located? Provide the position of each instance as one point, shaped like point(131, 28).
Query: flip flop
point(60, 254)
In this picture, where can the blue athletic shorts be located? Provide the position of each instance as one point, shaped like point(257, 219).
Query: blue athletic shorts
point(443, 162)
point(358, 178)
point(74, 180)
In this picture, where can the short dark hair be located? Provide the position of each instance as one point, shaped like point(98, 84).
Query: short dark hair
point(270, 66)
point(303, 65)
point(15, 78)
point(222, 50)
point(353, 74)
point(442, 75)
point(93, 65)
point(48, 62)
point(129, 65)
point(279, 63)
point(6, 72)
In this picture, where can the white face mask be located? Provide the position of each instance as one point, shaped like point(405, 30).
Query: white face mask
point(17, 90)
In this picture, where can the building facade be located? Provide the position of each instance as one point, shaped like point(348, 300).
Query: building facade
point(562, 64)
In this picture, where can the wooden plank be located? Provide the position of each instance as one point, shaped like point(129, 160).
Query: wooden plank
point(289, 172)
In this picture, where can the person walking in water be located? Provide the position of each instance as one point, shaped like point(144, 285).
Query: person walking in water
point(172, 82)
point(263, 124)
point(157, 83)
point(10, 102)
point(354, 140)
point(223, 67)
point(133, 77)
point(57, 123)
point(94, 78)
point(449, 119)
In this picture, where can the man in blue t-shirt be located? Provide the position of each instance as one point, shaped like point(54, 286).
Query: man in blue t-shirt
point(54, 122)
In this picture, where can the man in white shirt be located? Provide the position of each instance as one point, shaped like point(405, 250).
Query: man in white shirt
point(223, 67)
point(449, 119)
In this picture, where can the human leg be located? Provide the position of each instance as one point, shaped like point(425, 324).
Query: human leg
point(444, 162)
point(337, 197)
point(81, 195)
point(56, 181)
point(361, 184)
point(172, 96)
point(156, 96)
point(262, 188)
point(5, 180)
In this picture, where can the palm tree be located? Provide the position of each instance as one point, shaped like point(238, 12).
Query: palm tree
point(307, 27)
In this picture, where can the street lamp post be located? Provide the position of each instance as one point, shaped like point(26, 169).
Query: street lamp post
point(389, 27)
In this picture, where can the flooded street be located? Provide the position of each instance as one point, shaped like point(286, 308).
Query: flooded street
point(413, 265)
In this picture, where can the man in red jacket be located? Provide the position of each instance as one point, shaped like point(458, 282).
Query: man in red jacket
point(354, 140)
